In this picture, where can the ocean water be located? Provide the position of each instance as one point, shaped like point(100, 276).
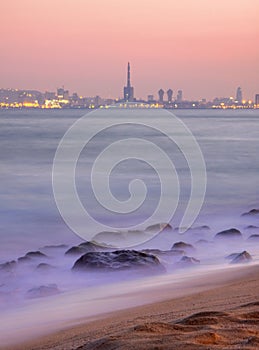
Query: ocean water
point(229, 141)
point(30, 219)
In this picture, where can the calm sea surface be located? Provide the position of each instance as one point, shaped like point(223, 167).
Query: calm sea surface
point(29, 218)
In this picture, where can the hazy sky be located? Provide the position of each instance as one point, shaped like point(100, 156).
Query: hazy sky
point(206, 48)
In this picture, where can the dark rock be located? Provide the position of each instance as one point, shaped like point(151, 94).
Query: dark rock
point(117, 260)
point(24, 259)
point(251, 212)
point(9, 266)
point(159, 227)
point(230, 233)
point(36, 254)
point(188, 261)
point(243, 257)
point(231, 256)
point(58, 246)
point(183, 245)
point(89, 246)
point(76, 250)
point(42, 291)
point(44, 267)
point(158, 252)
point(254, 237)
point(251, 227)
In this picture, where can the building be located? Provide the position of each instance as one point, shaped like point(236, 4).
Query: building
point(128, 90)
point(169, 95)
point(239, 95)
point(179, 97)
point(257, 100)
point(161, 96)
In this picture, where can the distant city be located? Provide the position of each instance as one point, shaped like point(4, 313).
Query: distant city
point(15, 98)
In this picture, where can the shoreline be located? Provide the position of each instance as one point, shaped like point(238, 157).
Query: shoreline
point(220, 292)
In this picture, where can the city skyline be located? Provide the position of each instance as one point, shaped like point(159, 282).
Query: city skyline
point(204, 49)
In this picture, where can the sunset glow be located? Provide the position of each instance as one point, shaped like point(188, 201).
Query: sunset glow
point(205, 48)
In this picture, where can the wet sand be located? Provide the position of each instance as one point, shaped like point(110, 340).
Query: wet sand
point(221, 315)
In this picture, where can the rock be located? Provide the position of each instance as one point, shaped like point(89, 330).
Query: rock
point(9, 266)
point(254, 237)
point(231, 256)
point(117, 260)
point(44, 267)
point(230, 233)
point(89, 246)
point(76, 250)
point(251, 212)
point(251, 227)
point(243, 257)
point(42, 291)
point(36, 254)
point(58, 246)
point(183, 246)
point(24, 259)
point(187, 261)
point(158, 252)
point(159, 227)
point(202, 241)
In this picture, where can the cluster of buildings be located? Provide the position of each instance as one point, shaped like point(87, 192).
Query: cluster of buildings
point(14, 98)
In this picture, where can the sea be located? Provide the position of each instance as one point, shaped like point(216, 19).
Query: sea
point(220, 157)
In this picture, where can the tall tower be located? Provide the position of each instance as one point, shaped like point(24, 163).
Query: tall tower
point(128, 90)
point(161, 95)
point(239, 95)
point(169, 95)
point(179, 97)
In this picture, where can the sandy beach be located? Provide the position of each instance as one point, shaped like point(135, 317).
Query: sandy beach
point(220, 314)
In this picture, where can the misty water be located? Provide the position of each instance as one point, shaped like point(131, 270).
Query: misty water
point(30, 220)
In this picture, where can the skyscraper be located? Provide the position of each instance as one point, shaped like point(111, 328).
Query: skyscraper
point(257, 100)
point(128, 90)
point(239, 96)
point(161, 95)
point(169, 95)
point(179, 97)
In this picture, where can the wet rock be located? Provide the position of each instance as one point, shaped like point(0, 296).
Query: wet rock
point(169, 253)
point(77, 250)
point(253, 227)
point(8, 266)
point(243, 257)
point(187, 261)
point(42, 291)
point(230, 233)
point(89, 246)
point(24, 259)
point(251, 212)
point(58, 246)
point(44, 267)
point(231, 256)
point(159, 227)
point(183, 246)
point(36, 254)
point(117, 260)
point(254, 237)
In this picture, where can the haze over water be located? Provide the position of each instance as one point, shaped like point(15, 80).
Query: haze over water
point(229, 141)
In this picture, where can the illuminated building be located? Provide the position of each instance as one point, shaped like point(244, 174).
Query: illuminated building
point(257, 100)
point(128, 90)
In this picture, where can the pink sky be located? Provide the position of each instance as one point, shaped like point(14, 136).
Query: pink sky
point(206, 48)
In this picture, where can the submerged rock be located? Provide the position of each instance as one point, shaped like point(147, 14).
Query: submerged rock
point(58, 246)
point(159, 227)
point(44, 267)
point(254, 237)
point(169, 253)
point(243, 257)
point(251, 212)
point(231, 256)
point(187, 261)
point(81, 249)
point(183, 246)
point(36, 254)
point(8, 266)
point(42, 291)
point(117, 260)
point(230, 233)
